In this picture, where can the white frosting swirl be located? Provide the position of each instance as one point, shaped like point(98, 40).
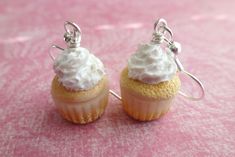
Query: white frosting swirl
point(77, 69)
point(151, 65)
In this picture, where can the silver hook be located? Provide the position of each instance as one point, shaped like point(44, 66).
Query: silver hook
point(50, 53)
point(115, 95)
point(176, 48)
point(200, 85)
point(72, 37)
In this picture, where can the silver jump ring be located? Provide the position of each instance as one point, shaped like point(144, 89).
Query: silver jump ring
point(200, 85)
point(161, 24)
point(75, 27)
point(50, 53)
point(76, 32)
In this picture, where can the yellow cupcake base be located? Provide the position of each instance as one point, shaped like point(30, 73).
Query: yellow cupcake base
point(142, 108)
point(146, 102)
point(83, 113)
point(80, 107)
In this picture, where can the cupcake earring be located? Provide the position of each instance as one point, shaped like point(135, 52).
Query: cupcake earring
point(80, 86)
point(150, 81)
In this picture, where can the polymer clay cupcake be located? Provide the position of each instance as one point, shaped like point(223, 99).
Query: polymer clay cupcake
point(150, 81)
point(80, 86)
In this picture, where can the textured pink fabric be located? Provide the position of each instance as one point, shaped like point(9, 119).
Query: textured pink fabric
point(112, 29)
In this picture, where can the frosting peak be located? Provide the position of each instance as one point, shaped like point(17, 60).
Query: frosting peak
point(78, 69)
point(151, 65)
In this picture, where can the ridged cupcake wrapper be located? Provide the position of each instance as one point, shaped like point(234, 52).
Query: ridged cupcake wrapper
point(143, 108)
point(83, 112)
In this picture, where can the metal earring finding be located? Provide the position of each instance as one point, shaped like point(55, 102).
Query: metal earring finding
point(175, 47)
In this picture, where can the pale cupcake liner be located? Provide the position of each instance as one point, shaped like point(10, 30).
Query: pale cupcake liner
point(83, 112)
point(143, 108)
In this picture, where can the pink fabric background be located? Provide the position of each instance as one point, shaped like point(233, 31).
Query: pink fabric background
point(112, 29)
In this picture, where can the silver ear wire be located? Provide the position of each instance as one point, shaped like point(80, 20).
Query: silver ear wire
point(50, 53)
point(72, 37)
point(200, 85)
point(115, 95)
point(160, 30)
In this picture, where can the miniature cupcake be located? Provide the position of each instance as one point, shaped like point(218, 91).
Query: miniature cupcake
point(150, 82)
point(80, 87)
